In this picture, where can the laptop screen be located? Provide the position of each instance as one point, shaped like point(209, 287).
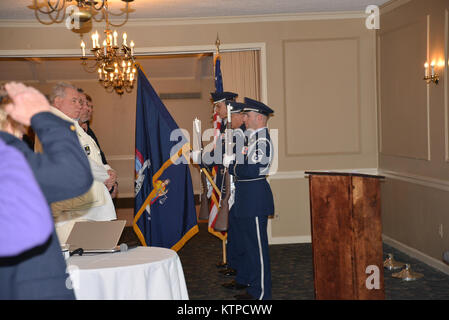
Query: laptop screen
point(95, 235)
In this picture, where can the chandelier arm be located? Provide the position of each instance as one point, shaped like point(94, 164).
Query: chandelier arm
point(102, 5)
point(128, 89)
point(91, 69)
point(42, 21)
point(117, 14)
point(121, 24)
point(53, 19)
point(49, 7)
point(57, 5)
point(102, 17)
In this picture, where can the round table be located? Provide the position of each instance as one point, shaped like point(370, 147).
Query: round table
point(140, 273)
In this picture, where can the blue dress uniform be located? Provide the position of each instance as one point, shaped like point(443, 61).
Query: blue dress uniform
point(233, 249)
point(62, 172)
point(216, 159)
point(253, 204)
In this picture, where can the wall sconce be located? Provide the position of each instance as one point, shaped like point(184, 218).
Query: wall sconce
point(433, 77)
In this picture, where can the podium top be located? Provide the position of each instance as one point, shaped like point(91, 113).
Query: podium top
point(333, 173)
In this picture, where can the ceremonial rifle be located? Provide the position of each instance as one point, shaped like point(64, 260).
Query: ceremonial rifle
point(205, 202)
point(222, 222)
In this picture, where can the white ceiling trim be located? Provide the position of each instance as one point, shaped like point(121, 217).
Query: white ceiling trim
point(5, 23)
point(144, 51)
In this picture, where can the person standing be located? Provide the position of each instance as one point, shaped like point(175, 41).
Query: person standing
point(96, 204)
point(233, 245)
point(254, 202)
point(40, 271)
point(84, 122)
point(215, 157)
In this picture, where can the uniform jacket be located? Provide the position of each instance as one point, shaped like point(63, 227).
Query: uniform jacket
point(253, 196)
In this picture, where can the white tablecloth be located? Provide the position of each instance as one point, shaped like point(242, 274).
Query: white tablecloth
point(139, 273)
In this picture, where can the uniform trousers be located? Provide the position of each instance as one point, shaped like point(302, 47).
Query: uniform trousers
point(252, 255)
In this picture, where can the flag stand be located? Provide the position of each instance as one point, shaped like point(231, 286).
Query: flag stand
point(224, 251)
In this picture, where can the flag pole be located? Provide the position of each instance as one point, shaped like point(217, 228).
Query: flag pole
point(223, 240)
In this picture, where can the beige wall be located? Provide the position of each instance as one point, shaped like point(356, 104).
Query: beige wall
point(413, 125)
point(114, 120)
point(318, 74)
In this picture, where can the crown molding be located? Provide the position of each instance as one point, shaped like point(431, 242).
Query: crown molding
point(20, 23)
point(391, 5)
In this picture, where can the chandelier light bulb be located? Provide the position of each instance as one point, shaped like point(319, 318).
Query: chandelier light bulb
point(124, 39)
point(115, 38)
point(83, 46)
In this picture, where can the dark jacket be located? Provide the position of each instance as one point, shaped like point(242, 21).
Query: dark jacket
point(62, 171)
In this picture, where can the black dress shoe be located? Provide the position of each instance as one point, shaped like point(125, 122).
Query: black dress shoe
point(244, 296)
point(234, 285)
point(228, 272)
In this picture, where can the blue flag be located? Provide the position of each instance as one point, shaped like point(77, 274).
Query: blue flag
point(164, 211)
point(218, 77)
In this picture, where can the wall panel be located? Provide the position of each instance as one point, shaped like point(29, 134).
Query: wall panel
point(322, 90)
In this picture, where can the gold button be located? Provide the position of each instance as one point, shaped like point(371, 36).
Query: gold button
point(72, 127)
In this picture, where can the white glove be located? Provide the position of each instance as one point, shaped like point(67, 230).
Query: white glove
point(196, 156)
point(228, 159)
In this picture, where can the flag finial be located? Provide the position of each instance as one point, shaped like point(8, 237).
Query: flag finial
point(217, 43)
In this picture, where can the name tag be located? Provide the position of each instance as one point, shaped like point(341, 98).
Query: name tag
point(87, 149)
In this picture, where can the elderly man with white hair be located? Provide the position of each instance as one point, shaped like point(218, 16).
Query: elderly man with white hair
point(96, 204)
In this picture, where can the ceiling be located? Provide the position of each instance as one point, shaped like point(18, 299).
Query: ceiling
point(146, 9)
point(191, 66)
point(185, 66)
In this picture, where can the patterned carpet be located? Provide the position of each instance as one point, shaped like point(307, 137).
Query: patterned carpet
point(292, 273)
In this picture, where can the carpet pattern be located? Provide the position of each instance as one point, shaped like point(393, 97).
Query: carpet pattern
point(292, 273)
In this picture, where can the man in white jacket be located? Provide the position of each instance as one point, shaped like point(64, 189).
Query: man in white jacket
point(96, 204)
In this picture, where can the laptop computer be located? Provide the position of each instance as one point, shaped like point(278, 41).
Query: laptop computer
point(96, 236)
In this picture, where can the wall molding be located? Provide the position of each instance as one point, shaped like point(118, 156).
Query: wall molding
point(300, 174)
point(435, 263)
point(391, 5)
point(382, 33)
point(359, 95)
point(416, 179)
point(306, 16)
point(445, 84)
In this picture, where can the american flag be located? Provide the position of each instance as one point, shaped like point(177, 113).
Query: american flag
point(214, 203)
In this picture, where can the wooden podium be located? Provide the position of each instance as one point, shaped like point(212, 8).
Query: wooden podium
point(346, 235)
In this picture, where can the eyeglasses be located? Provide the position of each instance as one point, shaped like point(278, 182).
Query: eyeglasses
point(80, 101)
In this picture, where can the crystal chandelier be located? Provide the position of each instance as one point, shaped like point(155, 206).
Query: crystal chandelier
point(114, 64)
point(81, 11)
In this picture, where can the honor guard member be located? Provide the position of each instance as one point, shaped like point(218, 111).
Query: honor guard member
point(215, 158)
point(232, 243)
point(254, 203)
point(219, 100)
